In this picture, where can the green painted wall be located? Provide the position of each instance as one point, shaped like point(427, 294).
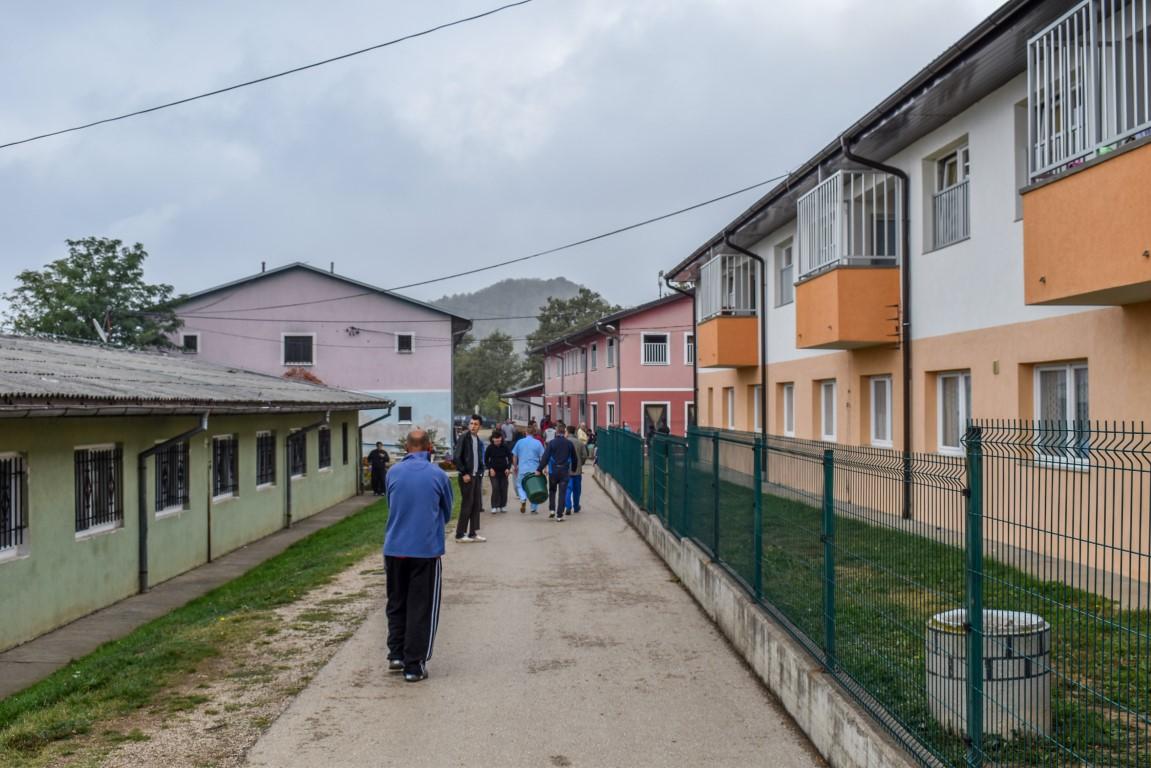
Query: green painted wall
point(61, 577)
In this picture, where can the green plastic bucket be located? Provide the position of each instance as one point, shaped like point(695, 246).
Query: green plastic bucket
point(536, 487)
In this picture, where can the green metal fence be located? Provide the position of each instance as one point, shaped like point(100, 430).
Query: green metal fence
point(988, 608)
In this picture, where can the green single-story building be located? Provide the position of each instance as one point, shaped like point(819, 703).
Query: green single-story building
point(121, 469)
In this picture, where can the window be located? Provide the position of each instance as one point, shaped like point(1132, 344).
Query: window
point(655, 349)
point(325, 440)
point(344, 442)
point(954, 410)
point(298, 454)
point(689, 349)
point(298, 350)
point(789, 410)
point(755, 392)
point(265, 458)
point(952, 168)
point(611, 414)
point(225, 466)
point(729, 407)
point(405, 342)
point(405, 414)
point(13, 512)
point(595, 416)
point(190, 343)
point(827, 410)
point(785, 273)
point(99, 502)
point(1061, 408)
point(881, 411)
point(951, 220)
point(611, 353)
point(595, 357)
point(172, 477)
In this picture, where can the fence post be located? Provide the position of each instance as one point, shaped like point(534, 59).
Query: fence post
point(757, 535)
point(828, 538)
point(974, 596)
point(715, 497)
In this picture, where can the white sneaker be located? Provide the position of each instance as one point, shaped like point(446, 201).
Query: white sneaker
point(477, 537)
point(463, 540)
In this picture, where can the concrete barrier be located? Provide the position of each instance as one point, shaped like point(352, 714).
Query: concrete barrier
point(843, 733)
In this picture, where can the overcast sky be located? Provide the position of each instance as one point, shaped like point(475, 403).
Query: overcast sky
point(525, 130)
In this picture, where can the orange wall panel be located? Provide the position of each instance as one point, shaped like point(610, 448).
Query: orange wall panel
point(847, 308)
point(727, 342)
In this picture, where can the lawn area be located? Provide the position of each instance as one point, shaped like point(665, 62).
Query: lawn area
point(135, 671)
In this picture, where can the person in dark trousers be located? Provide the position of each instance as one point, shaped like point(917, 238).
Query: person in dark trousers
point(498, 460)
point(419, 506)
point(378, 460)
point(468, 457)
point(575, 482)
point(559, 460)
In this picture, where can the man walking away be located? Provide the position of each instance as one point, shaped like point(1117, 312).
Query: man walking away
point(378, 460)
point(575, 482)
point(526, 455)
point(498, 460)
point(509, 431)
point(419, 506)
point(468, 457)
point(559, 460)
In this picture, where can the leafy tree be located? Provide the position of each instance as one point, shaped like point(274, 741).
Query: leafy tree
point(100, 280)
point(562, 316)
point(482, 370)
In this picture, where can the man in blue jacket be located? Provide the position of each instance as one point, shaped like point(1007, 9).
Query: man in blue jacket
point(419, 506)
point(559, 460)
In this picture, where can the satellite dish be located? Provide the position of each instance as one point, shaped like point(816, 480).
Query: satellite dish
point(99, 331)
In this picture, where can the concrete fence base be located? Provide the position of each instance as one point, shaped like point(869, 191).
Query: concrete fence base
point(840, 730)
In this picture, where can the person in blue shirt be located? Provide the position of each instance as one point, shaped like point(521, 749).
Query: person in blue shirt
point(419, 506)
point(526, 455)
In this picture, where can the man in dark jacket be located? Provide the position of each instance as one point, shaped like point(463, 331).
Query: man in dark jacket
point(559, 460)
point(498, 460)
point(419, 506)
point(468, 457)
point(378, 460)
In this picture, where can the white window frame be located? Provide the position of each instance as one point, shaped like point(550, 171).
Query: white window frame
point(785, 247)
point(1068, 370)
point(411, 335)
point(643, 413)
point(964, 377)
point(611, 413)
point(195, 336)
point(595, 357)
point(729, 406)
point(284, 350)
point(689, 349)
point(611, 352)
point(265, 433)
point(594, 414)
point(962, 157)
point(886, 442)
point(789, 409)
point(666, 347)
point(755, 396)
point(115, 525)
point(828, 385)
point(212, 458)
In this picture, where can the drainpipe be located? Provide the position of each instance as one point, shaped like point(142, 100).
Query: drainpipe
point(288, 462)
point(142, 490)
point(695, 345)
point(762, 335)
point(904, 310)
point(360, 442)
point(613, 333)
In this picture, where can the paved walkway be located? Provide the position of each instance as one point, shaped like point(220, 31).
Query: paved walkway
point(560, 644)
point(29, 663)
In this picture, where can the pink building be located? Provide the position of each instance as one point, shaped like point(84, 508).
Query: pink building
point(634, 367)
point(312, 323)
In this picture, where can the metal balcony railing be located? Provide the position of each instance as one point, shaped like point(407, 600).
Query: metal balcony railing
point(850, 218)
point(655, 353)
point(1088, 83)
point(728, 285)
point(951, 214)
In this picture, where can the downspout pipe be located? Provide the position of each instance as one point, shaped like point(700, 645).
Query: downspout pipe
point(615, 334)
point(695, 345)
point(288, 462)
point(142, 491)
point(360, 442)
point(762, 334)
point(905, 308)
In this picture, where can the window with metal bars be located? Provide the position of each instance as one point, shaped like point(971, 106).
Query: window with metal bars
point(344, 442)
point(99, 501)
point(13, 513)
point(265, 458)
point(325, 441)
point(298, 453)
point(298, 350)
point(225, 466)
point(172, 477)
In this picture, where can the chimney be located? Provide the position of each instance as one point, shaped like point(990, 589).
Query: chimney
point(332, 267)
point(263, 266)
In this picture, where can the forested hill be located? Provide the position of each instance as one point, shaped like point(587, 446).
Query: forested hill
point(513, 297)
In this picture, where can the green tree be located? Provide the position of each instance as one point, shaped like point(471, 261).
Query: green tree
point(562, 316)
point(100, 280)
point(483, 370)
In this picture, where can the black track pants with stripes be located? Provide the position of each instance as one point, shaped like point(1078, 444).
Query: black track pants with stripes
point(413, 608)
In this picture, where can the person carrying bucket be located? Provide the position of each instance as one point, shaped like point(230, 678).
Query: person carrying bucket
point(526, 455)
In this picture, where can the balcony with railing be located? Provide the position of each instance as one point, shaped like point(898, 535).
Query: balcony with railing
point(951, 215)
point(1086, 234)
point(847, 236)
point(727, 297)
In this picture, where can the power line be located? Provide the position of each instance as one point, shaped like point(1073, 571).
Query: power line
point(266, 78)
point(351, 320)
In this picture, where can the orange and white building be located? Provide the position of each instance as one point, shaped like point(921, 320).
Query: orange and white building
point(977, 246)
